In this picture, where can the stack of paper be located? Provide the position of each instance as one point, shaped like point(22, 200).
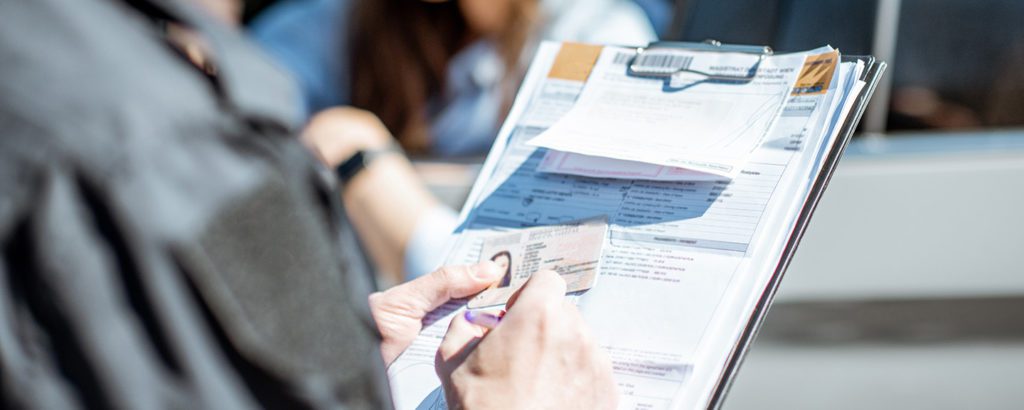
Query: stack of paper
point(701, 185)
point(686, 127)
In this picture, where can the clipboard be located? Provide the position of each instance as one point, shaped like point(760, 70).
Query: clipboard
point(636, 68)
point(724, 376)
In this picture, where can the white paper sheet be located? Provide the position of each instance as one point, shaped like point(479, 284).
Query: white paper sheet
point(558, 162)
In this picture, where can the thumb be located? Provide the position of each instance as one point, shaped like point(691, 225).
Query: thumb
point(426, 293)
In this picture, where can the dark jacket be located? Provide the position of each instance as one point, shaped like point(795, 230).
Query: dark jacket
point(165, 241)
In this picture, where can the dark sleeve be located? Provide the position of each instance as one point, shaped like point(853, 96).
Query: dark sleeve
point(263, 306)
point(69, 334)
point(165, 244)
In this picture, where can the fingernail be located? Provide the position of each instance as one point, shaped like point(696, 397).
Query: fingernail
point(487, 271)
point(483, 319)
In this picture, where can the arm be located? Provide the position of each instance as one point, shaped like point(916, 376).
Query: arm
point(387, 200)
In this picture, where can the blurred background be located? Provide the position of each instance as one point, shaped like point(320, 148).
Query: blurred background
point(908, 289)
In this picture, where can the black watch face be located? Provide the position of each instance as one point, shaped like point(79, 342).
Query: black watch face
point(348, 169)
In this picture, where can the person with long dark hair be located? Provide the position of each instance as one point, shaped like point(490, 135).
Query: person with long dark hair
point(440, 75)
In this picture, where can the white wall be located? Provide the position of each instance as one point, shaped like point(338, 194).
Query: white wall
point(903, 219)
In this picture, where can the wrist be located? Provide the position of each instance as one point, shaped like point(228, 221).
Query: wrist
point(336, 134)
point(361, 159)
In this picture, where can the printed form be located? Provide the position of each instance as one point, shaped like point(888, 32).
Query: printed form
point(683, 263)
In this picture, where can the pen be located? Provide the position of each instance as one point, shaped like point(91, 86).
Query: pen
point(484, 319)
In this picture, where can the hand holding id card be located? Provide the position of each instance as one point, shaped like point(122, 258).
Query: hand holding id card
point(572, 250)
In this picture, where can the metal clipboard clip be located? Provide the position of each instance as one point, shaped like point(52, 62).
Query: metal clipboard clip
point(647, 62)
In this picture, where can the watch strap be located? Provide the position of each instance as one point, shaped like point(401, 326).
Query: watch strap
point(362, 159)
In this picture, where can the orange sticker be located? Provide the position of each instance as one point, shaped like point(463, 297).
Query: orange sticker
point(816, 75)
point(574, 61)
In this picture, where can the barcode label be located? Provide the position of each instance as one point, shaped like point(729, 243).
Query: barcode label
point(622, 58)
point(662, 62)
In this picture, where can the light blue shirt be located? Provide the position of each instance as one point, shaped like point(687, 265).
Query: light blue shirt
point(304, 38)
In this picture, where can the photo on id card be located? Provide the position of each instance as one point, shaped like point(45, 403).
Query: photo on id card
point(573, 250)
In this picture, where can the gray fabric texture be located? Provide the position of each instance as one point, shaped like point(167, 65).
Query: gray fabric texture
point(165, 241)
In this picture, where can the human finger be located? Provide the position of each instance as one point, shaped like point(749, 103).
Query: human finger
point(424, 294)
point(458, 341)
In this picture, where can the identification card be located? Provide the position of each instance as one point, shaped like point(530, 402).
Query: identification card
point(573, 250)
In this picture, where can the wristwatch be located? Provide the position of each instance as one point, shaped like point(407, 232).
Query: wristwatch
point(362, 159)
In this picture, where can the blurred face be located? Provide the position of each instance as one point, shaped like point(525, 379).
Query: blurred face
point(487, 17)
point(227, 11)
